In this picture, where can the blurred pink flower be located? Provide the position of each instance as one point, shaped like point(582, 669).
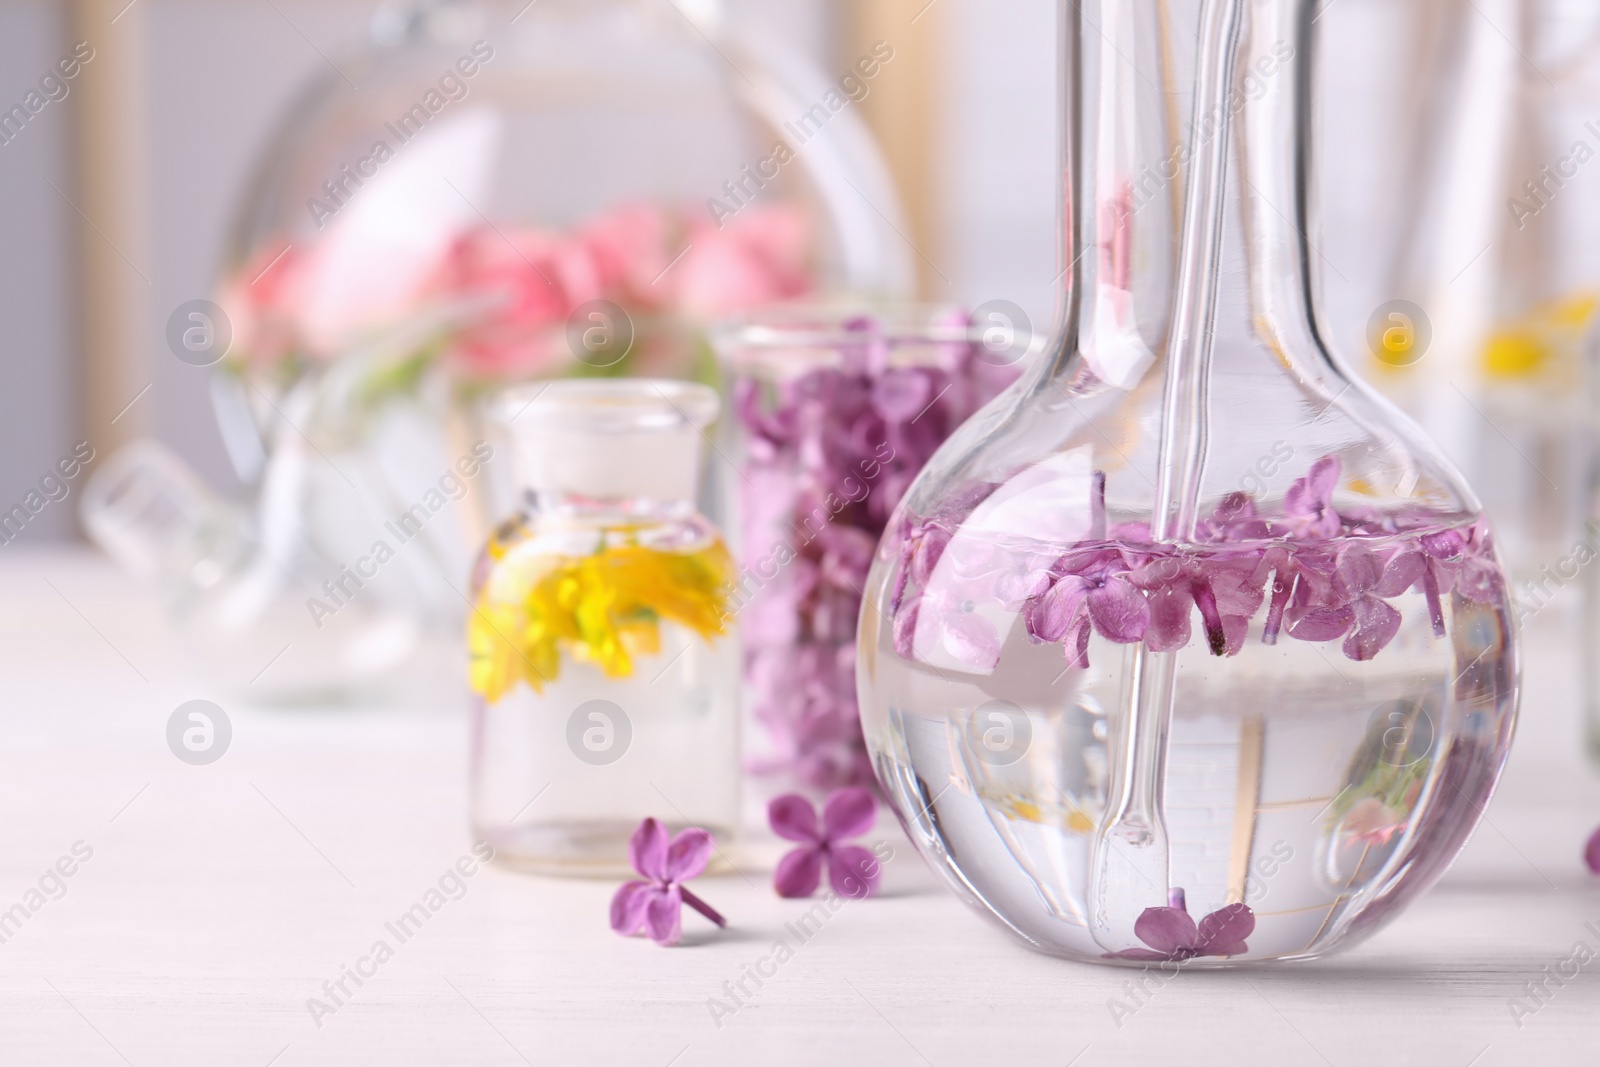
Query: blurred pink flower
point(259, 304)
point(512, 289)
point(758, 257)
point(532, 282)
point(629, 248)
point(1373, 821)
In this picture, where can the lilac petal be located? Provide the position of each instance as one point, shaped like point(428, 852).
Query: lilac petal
point(1445, 545)
point(972, 558)
point(1167, 930)
point(1311, 495)
point(663, 916)
point(853, 871)
point(799, 872)
point(1120, 612)
point(1323, 624)
point(1401, 574)
point(793, 818)
point(1591, 853)
point(1430, 589)
point(1206, 601)
point(1358, 569)
point(1238, 591)
point(972, 639)
point(900, 395)
point(1283, 584)
point(1376, 625)
point(1052, 615)
point(1222, 933)
point(848, 813)
point(647, 851)
point(1015, 590)
point(628, 907)
point(930, 548)
point(1170, 609)
point(1478, 580)
point(1235, 628)
point(1077, 645)
point(905, 628)
point(690, 852)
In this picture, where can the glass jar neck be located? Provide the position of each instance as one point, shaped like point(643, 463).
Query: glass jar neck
point(572, 465)
point(608, 442)
point(1153, 170)
point(430, 22)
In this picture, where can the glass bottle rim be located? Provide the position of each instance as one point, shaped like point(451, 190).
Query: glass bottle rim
point(609, 405)
point(797, 336)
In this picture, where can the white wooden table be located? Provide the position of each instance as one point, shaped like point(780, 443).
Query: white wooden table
point(218, 899)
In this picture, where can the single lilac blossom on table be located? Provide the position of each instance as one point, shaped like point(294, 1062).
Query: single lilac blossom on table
point(1172, 933)
point(853, 871)
point(655, 905)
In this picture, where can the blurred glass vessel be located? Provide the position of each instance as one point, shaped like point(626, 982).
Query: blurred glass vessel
point(574, 187)
point(1501, 266)
point(604, 663)
point(835, 410)
point(494, 191)
point(264, 611)
point(1188, 647)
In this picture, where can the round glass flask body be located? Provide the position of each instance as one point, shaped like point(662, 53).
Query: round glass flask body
point(1188, 648)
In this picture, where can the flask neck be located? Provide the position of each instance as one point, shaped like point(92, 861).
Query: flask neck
point(1147, 155)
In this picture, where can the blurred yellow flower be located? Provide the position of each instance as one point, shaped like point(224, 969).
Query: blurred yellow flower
point(1532, 345)
point(605, 609)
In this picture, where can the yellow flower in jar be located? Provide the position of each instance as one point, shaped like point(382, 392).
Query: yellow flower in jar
point(604, 609)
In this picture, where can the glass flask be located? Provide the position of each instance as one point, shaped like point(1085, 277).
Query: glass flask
point(567, 188)
point(1500, 266)
point(264, 612)
point(835, 409)
point(1188, 647)
point(604, 664)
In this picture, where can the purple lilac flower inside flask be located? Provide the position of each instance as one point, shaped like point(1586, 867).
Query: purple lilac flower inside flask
point(1188, 647)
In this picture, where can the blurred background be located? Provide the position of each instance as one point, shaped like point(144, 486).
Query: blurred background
point(116, 202)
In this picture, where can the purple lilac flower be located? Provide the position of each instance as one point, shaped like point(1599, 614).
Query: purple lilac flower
point(831, 453)
point(1308, 505)
point(1323, 575)
point(852, 870)
point(655, 906)
point(1173, 935)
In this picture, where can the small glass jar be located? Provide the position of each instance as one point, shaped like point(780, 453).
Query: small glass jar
point(835, 410)
point(603, 662)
